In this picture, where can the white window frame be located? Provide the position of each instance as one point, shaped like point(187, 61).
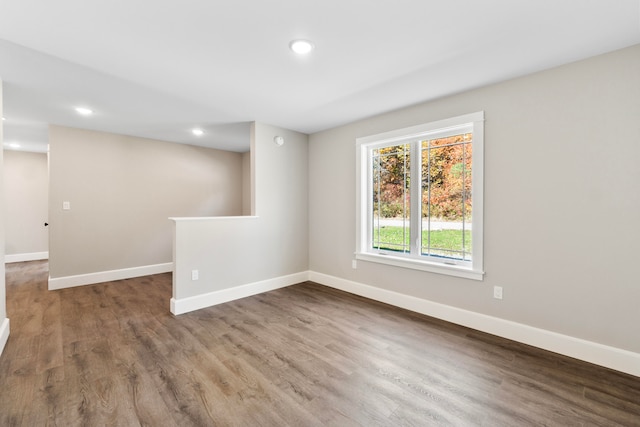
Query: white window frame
point(473, 122)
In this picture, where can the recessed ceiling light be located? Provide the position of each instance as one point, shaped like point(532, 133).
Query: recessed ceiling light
point(3, 119)
point(84, 111)
point(197, 132)
point(301, 47)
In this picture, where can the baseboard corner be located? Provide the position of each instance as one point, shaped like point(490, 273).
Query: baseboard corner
point(32, 256)
point(197, 302)
point(56, 283)
point(599, 354)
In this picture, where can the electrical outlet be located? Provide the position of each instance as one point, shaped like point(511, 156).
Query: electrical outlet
point(354, 264)
point(194, 275)
point(497, 292)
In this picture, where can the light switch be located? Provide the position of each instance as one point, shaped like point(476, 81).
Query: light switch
point(66, 206)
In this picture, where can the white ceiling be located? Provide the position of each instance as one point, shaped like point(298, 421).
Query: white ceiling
point(157, 68)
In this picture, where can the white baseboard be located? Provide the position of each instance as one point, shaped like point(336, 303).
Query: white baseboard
point(4, 334)
point(599, 354)
point(33, 256)
point(185, 305)
point(108, 276)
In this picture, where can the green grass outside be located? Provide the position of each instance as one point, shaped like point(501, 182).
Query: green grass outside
point(392, 238)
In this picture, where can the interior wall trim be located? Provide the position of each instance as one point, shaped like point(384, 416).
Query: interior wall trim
point(185, 305)
point(32, 256)
point(108, 276)
point(4, 334)
point(588, 351)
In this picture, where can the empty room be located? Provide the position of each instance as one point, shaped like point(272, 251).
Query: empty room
point(298, 213)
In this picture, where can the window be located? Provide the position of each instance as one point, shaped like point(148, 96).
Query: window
point(420, 197)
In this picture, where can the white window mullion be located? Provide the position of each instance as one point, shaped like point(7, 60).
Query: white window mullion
point(390, 250)
point(416, 185)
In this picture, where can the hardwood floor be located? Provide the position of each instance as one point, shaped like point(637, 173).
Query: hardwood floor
point(112, 354)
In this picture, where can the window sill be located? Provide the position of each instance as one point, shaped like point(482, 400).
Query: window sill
point(449, 270)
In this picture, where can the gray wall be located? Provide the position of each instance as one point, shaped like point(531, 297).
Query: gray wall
point(561, 201)
point(25, 202)
point(122, 190)
point(246, 183)
point(4, 321)
point(229, 252)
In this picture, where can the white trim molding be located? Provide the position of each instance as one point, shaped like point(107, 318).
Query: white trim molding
point(413, 255)
point(108, 276)
point(185, 305)
point(588, 351)
point(4, 333)
point(33, 256)
point(416, 264)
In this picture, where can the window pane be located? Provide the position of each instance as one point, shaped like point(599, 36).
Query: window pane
point(446, 197)
point(391, 198)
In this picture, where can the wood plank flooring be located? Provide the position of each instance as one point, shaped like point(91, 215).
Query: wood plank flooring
point(112, 355)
